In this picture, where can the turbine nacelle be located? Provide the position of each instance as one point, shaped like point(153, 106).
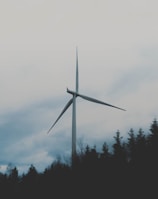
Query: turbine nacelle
point(72, 92)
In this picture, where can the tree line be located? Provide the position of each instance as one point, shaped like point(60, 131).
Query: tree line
point(130, 170)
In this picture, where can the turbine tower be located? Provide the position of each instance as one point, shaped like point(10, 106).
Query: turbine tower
point(72, 101)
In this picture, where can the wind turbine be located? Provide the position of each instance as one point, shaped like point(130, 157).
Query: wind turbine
point(72, 101)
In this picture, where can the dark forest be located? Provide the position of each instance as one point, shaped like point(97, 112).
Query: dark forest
point(130, 170)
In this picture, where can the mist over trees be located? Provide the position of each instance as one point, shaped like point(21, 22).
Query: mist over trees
point(130, 170)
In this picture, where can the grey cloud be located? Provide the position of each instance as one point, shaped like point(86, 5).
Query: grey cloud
point(132, 80)
point(23, 135)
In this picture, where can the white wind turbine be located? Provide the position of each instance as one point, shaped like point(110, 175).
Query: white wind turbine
point(72, 101)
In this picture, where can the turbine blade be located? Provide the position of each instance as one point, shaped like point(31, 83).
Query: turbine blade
point(93, 100)
point(63, 111)
point(77, 81)
point(98, 101)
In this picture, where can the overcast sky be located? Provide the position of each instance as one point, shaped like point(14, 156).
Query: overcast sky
point(118, 63)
